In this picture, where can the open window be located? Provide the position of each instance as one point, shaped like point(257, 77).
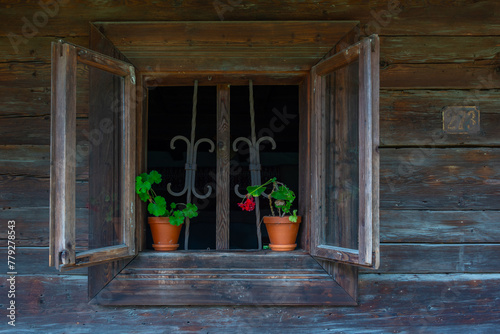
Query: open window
point(337, 102)
point(106, 151)
point(345, 191)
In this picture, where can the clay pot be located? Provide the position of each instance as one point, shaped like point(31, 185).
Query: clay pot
point(165, 235)
point(282, 232)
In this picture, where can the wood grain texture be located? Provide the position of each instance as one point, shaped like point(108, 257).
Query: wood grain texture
point(414, 117)
point(439, 178)
point(223, 166)
point(438, 49)
point(29, 191)
point(406, 17)
point(455, 303)
point(423, 226)
point(35, 130)
point(435, 258)
point(230, 46)
point(33, 160)
point(32, 227)
point(228, 278)
point(62, 156)
point(480, 75)
point(36, 49)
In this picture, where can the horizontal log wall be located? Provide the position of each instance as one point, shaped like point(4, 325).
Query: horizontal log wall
point(440, 203)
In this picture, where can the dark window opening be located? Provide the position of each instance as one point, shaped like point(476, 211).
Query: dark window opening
point(170, 114)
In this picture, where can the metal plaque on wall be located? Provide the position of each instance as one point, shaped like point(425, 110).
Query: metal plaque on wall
point(461, 120)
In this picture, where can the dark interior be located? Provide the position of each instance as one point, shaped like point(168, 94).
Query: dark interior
point(170, 114)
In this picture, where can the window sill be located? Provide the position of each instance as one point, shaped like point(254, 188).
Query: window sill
point(223, 278)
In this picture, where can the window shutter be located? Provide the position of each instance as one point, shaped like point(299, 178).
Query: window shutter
point(107, 148)
point(345, 133)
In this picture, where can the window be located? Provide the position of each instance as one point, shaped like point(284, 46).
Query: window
point(337, 150)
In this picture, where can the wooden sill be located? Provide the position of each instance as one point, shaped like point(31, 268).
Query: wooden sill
point(223, 278)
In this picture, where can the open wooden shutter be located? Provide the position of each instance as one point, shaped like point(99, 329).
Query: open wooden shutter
point(93, 173)
point(345, 164)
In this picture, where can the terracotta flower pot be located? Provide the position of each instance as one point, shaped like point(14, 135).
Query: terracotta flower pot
point(165, 235)
point(282, 232)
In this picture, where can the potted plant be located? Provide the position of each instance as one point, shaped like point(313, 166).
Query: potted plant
point(283, 225)
point(167, 223)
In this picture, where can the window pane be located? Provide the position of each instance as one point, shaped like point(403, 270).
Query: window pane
point(99, 150)
point(341, 163)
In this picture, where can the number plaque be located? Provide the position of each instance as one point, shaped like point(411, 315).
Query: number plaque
point(461, 120)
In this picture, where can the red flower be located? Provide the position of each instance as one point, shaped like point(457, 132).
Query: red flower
point(248, 204)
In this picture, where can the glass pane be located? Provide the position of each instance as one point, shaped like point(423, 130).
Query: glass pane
point(99, 152)
point(341, 161)
point(82, 158)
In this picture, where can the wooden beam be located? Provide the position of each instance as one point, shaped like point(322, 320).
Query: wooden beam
point(223, 166)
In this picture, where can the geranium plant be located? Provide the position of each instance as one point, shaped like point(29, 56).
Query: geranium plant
point(280, 198)
point(157, 204)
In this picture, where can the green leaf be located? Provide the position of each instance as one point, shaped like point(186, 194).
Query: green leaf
point(173, 205)
point(159, 207)
point(256, 191)
point(144, 197)
point(177, 218)
point(144, 187)
point(154, 177)
point(293, 218)
point(283, 193)
point(190, 211)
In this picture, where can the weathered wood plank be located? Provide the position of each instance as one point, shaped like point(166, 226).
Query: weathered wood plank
point(440, 179)
point(432, 258)
point(441, 76)
point(35, 101)
point(429, 17)
point(223, 166)
point(425, 226)
point(32, 81)
point(414, 117)
point(231, 259)
point(456, 303)
point(406, 17)
point(64, 18)
point(224, 291)
point(36, 131)
point(29, 191)
point(308, 35)
point(437, 49)
point(36, 49)
point(33, 160)
point(35, 261)
point(224, 278)
point(25, 75)
point(32, 226)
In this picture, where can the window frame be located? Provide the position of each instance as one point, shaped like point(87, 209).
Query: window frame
point(344, 275)
point(367, 53)
point(62, 249)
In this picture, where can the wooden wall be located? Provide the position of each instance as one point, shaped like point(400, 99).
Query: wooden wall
point(440, 207)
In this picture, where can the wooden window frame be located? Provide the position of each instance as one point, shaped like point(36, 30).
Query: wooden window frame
point(366, 52)
point(113, 280)
point(62, 253)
